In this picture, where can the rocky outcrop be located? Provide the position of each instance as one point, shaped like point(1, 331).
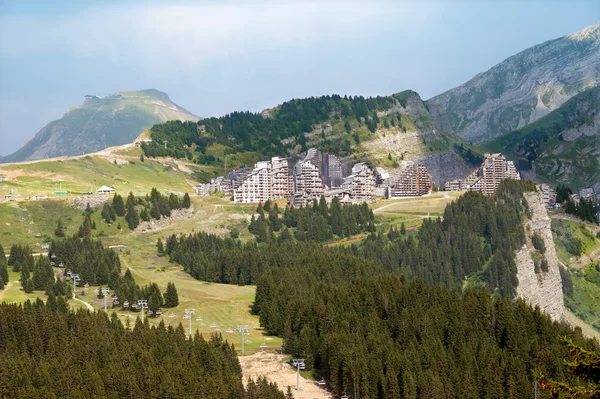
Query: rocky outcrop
point(522, 88)
point(544, 288)
point(177, 215)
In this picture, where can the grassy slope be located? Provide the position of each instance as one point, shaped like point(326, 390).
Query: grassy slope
point(585, 301)
point(225, 306)
point(82, 174)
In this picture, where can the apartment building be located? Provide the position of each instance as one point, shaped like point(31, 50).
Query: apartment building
point(494, 169)
point(549, 196)
point(333, 171)
point(307, 183)
point(268, 180)
point(361, 183)
point(256, 188)
point(413, 181)
point(487, 177)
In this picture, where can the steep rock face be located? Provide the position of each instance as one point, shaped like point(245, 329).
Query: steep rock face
point(543, 289)
point(414, 144)
point(522, 88)
point(99, 123)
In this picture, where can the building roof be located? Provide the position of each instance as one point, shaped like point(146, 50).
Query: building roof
point(106, 188)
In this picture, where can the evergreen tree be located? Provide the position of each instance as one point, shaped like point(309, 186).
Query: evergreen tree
point(118, 205)
point(85, 230)
point(131, 216)
point(171, 296)
point(28, 286)
point(145, 215)
point(187, 202)
point(274, 218)
point(25, 275)
point(3, 266)
point(403, 229)
point(108, 213)
point(60, 228)
point(159, 246)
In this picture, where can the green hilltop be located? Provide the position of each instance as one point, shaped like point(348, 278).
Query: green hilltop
point(99, 123)
point(383, 130)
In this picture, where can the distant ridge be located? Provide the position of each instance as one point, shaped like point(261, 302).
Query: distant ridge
point(101, 122)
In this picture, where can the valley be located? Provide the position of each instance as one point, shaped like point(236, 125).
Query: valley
point(387, 246)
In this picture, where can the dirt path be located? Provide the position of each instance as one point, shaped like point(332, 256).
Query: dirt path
point(87, 305)
point(273, 367)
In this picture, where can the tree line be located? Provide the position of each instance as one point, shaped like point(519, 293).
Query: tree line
point(136, 209)
point(248, 131)
point(476, 241)
point(317, 222)
point(51, 353)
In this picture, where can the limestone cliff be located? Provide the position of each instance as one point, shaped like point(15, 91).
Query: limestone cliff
point(541, 288)
point(521, 89)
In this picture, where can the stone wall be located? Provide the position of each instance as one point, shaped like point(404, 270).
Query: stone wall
point(543, 289)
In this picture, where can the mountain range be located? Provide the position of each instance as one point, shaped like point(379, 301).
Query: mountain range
point(99, 123)
point(521, 89)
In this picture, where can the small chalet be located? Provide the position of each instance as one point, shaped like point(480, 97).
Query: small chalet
point(105, 190)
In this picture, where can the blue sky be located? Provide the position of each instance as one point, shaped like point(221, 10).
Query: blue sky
point(217, 57)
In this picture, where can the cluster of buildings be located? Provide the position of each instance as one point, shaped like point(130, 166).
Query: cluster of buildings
point(318, 174)
point(487, 177)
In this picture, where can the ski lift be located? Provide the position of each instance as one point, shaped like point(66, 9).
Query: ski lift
point(158, 312)
point(186, 317)
point(217, 330)
point(172, 315)
point(213, 325)
point(150, 312)
point(53, 256)
point(322, 382)
point(202, 325)
point(115, 301)
point(198, 318)
point(52, 263)
point(115, 298)
point(126, 304)
point(61, 264)
point(38, 235)
point(344, 396)
point(229, 331)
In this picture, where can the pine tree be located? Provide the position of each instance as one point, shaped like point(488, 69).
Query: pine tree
point(85, 230)
point(159, 247)
point(187, 202)
point(145, 215)
point(29, 287)
point(118, 205)
point(60, 228)
point(402, 229)
point(274, 218)
point(108, 213)
point(3, 266)
point(171, 297)
point(132, 217)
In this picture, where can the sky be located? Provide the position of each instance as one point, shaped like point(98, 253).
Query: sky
point(215, 57)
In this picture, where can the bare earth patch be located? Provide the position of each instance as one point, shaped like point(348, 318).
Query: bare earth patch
point(274, 368)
